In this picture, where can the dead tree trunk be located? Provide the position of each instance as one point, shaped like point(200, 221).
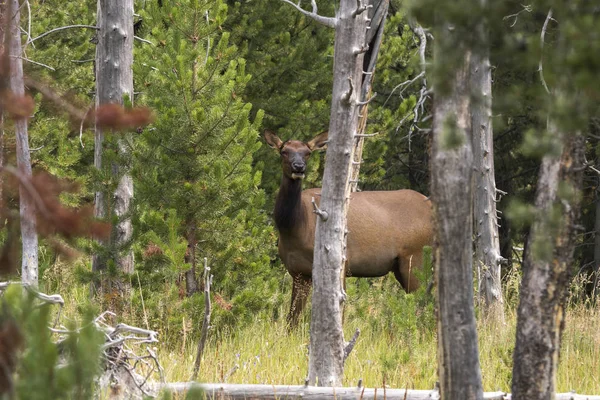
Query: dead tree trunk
point(377, 15)
point(29, 265)
point(451, 188)
point(546, 274)
point(326, 366)
point(114, 81)
point(487, 245)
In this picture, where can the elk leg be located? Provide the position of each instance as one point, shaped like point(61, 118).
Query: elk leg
point(300, 290)
point(405, 268)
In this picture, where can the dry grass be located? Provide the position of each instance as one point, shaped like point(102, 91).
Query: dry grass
point(392, 349)
point(265, 353)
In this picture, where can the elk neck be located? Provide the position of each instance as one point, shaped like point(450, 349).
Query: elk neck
point(289, 214)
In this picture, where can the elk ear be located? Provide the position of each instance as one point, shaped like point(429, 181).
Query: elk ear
point(273, 140)
point(319, 142)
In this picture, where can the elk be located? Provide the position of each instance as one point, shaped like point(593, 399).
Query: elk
point(386, 229)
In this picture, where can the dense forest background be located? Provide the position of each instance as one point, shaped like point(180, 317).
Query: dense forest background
point(216, 74)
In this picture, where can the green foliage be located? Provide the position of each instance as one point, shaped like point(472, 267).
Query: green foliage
point(385, 307)
point(540, 143)
point(196, 182)
point(59, 151)
point(520, 213)
point(289, 57)
point(46, 369)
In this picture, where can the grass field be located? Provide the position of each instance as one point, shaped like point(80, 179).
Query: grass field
point(392, 354)
point(265, 353)
point(396, 347)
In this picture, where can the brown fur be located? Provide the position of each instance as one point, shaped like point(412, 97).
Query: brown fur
point(387, 229)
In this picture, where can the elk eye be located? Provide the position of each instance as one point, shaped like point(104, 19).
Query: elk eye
point(284, 153)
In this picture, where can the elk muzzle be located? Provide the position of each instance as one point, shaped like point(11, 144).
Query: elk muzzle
point(298, 168)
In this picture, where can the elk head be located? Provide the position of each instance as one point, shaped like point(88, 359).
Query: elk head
point(295, 153)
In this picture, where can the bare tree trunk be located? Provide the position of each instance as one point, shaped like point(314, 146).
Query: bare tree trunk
point(547, 258)
point(451, 187)
point(114, 80)
point(377, 15)
point(487, 245)
point(326, 366)
point(29, 266)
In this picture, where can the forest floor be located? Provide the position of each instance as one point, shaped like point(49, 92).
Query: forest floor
point(396, 347)
point(264, 352)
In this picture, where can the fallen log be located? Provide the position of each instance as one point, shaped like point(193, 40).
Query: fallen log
point(242, 391)
point(281, 392)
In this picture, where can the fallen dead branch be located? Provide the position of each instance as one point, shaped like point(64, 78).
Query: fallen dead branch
point(127, 373)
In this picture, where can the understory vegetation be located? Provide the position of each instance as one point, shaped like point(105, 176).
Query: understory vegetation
point(396, 348)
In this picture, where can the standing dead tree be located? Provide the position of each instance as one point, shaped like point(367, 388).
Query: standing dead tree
point(377, 16)
point(16, 96)
point(326, 366)
point(451, 193)
point(114, 82)
point(488, 260)
point(548, 256)
point(551, 242)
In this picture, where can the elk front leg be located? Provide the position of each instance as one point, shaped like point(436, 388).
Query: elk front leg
point(300, 290)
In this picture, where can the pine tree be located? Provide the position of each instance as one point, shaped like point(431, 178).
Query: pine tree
point(195, 161)
point(69, 53)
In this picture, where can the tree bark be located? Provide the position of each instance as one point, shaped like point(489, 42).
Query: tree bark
point(326, 367)
point(451, 187)
point(29, 264)
point(377, 15)
point(546, 274)
point(486, 242)
point(114, 80)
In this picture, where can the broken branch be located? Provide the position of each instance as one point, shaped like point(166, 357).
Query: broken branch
point(327, 21)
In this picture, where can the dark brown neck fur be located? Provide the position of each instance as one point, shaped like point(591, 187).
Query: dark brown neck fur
point(288, 213)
